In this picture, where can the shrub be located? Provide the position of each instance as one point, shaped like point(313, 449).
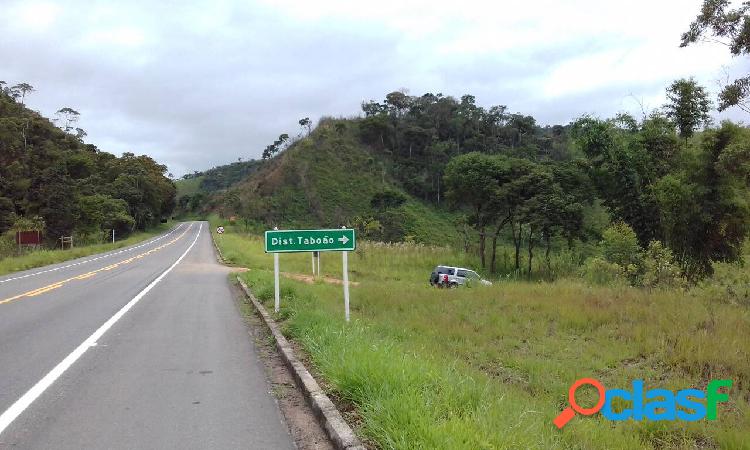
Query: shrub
point(659, 267)
point(620, 245)
point(599, 271)
point(7, 244)
point(730, 284)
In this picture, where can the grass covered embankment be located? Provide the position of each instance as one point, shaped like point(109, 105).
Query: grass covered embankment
point(39, 258)
point(490, 367)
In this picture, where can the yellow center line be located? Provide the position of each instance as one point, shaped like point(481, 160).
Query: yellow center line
point(50, 287)
point(43, 290)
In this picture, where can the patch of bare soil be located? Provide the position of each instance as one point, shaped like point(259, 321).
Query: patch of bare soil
point(309, 279)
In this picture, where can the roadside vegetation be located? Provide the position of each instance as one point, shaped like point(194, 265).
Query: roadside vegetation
point(438, 170)
point(490, 367)
point(616, 246)
point(30, 259)
point(53, 182)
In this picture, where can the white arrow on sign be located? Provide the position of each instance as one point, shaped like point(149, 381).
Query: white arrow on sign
point(343, 240)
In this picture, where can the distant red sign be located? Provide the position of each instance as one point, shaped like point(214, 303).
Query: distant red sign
point(28, 237)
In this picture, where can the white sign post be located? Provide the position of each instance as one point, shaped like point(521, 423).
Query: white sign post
point(276, 299)
point(276, 282)
point(345, 263)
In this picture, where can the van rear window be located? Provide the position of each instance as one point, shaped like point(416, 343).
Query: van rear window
point(445, 271)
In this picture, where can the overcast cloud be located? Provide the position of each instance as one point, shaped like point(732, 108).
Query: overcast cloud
point(202, 85)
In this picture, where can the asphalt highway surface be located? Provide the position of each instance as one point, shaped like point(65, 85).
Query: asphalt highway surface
point(141, 347)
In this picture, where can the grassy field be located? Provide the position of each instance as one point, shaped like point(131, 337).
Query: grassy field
point(490, 367)
point(41, 258)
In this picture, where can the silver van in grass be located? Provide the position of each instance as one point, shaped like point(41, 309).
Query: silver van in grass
point(451, 277)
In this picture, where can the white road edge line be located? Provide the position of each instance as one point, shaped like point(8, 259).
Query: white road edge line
point(38, 389)
point(106, 255)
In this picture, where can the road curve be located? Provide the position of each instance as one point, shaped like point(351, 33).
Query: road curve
point(141, 347)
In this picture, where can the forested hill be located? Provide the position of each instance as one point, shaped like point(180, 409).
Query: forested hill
point(52, 180)
point(432, 166)
point(382, 173)
point(194, 188)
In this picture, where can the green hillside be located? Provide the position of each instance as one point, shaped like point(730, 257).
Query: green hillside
point(331, 179)
point(215, 179)
point(437, 169)
point(188, 186)
point(383, 173)
point(195, 189)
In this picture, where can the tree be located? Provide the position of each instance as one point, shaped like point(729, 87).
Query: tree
point(306, 123)
point(521, 126)
point(268, 152)
point(80, 134)
point(140, 181)
point(12, 92)
point(620, 245)
point(656, 135)
point(621, 170)
point(515, 180)
point(704, 210)
point(471, 183)
point(376, 131)
point(70, 116)
point(531, 192)
point(398, 102)
point(688, 106)
point(7, 214)
point(101, 212)
point(23, 89)
point(71, 185)
point(387, 199)
point(276, 147)
point(60, 208)
point(730, 27)
point(373, 108)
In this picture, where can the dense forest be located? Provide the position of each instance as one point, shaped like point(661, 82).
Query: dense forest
point(51, 180)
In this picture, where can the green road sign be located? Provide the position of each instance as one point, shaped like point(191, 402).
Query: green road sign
point(288, 241)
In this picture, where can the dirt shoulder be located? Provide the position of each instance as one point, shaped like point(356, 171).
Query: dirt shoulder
point(303, 425)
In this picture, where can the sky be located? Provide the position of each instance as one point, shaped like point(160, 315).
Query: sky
point(205, 84)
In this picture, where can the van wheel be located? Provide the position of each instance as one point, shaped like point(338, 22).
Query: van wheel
point(454, 285)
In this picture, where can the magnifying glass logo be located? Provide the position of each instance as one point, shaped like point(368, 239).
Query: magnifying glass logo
point(570, 412)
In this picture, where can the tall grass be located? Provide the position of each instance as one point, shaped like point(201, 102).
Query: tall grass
point(490, 367)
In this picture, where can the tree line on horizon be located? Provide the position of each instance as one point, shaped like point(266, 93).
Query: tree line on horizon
point(52, 181)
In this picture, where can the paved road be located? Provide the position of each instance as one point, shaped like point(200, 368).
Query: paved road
point(137, 348)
